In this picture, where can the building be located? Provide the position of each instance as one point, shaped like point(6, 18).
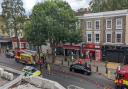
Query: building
point(105, 28)
point(7, 37)
point(4, 37)
point(109, 30)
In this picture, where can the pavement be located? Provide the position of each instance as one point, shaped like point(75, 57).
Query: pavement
point(97, 67)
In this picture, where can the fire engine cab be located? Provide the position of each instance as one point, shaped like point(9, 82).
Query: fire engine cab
point(121, 80)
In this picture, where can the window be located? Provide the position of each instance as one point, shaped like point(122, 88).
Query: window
point(97, 39)
point(89, 25)
point(108, 38)
point(89, 37)
point(108, 24)
point(97, 25)
point(78, 24)
point(118, 37)
point(119, 23)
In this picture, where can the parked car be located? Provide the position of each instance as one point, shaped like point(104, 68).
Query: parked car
point(10, 54)
point(31, 71)
point(80, 68)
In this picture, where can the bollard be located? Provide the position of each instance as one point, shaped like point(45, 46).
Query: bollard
point(65, 59)
point(106, 70)
point(62, 62)
point(97, 69)
point(68, 62)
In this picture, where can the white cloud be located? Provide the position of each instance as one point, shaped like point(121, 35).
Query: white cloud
point(28, 4)
point(76, 4)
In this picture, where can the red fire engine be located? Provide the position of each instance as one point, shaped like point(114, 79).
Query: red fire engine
point(121, 81)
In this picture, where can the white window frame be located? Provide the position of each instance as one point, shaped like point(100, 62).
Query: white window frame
point(99, 24)
point(107, 23)
point(106, 37)
point(121, 25)
point(87, 25)
point(95, 37)
point(116, 37)
point(89, 32)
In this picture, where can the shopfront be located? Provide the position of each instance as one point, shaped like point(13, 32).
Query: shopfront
point(92, 52)
point(23, 44)
point(70, 50)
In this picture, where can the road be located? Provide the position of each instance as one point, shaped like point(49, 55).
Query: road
point(65, 77)
point(10, 62)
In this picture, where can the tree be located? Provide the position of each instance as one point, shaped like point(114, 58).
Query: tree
point(13, 12)
point(108, 5)
point(53, 21)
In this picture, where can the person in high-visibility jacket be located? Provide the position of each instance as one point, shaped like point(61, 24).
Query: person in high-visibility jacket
point(49, 68)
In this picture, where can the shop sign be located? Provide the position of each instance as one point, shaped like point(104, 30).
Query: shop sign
point(97, 46)
point(90, 46)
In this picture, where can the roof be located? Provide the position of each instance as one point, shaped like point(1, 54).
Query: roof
point(105, 14)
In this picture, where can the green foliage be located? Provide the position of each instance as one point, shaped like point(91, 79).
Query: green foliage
point(108, 5)
point(52, 20)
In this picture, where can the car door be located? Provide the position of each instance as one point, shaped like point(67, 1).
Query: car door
point(78, 68)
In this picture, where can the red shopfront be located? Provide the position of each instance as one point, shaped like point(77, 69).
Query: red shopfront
point(92, 51)
point(23, 44)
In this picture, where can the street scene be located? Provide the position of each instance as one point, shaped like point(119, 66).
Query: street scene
point(64, 44)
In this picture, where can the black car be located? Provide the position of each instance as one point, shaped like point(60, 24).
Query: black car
point(79, 68)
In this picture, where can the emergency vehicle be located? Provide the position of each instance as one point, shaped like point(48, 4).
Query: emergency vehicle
point(121, 80)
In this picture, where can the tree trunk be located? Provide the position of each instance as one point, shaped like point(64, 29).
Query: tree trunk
point(38, 49)
point(16, 35)
point(53, 51)
point(39, 59)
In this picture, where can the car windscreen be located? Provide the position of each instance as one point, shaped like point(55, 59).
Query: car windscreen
point(78, 66)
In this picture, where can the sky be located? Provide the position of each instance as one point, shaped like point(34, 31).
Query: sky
point(75, 4)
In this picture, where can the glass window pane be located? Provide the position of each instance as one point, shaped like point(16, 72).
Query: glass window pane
point(97, 24)
point(108, 37)
point(97, 37)
point(89, 37)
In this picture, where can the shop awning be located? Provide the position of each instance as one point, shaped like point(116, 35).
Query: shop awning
point(5, 41)
point(71, 47)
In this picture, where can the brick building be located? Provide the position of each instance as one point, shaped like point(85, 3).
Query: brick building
point(105, 28)
point(108, 30)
